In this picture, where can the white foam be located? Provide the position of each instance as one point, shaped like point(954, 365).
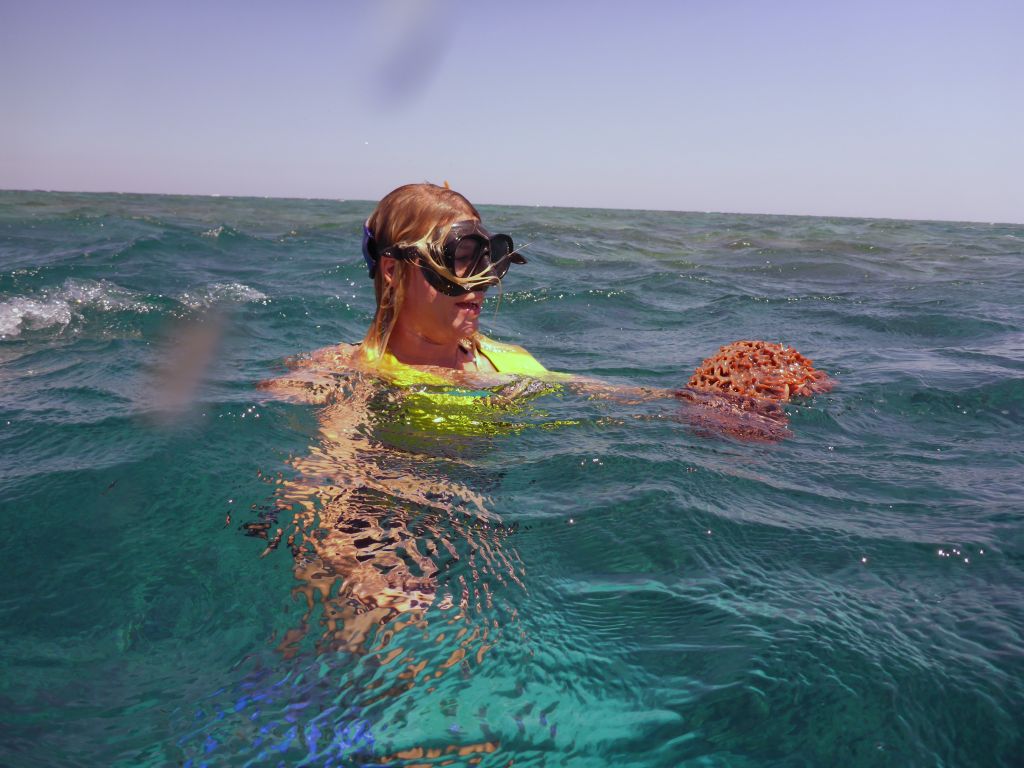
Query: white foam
point(221, 293)
point(217, 232)
point(19, 312)
point(59, 307)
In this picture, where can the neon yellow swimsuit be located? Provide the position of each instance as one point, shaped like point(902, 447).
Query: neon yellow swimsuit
point(435, 404)
point(506, 358)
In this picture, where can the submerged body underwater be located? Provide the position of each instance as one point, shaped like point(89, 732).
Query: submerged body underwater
point(200, 571)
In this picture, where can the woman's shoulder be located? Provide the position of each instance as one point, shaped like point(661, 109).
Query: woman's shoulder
point(314, 377)
point(336, 357)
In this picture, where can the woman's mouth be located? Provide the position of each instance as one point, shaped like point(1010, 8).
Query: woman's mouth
point(473, 307)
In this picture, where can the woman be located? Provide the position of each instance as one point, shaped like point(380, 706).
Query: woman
point(356, 497)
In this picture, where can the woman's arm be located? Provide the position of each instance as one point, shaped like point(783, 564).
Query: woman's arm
point(626, 394)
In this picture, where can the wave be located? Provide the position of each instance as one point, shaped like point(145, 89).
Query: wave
point(222, 293)
point(59, 307)
point(75, 299)
point(226, 232)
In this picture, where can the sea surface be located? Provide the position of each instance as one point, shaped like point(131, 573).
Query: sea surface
point(610, 587)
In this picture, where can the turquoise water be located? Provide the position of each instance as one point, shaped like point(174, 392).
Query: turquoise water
point(631, 593)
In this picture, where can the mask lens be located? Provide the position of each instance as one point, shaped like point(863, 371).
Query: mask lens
point(470, 256)
point(469, 251)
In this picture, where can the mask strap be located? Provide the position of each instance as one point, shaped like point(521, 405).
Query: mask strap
point(369, 249)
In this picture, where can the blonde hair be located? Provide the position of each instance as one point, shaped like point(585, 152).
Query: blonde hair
point(412, 216)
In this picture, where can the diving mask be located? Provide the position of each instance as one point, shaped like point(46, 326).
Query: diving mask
point(468, 251)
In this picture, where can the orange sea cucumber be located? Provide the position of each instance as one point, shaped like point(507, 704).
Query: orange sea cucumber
point(759, 369)
point(740, 389)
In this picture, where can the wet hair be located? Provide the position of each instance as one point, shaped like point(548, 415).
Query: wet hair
point(414, 215)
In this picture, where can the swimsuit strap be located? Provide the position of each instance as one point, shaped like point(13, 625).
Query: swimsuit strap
point(510, 358)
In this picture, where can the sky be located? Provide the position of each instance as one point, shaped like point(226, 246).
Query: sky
point(898, 109)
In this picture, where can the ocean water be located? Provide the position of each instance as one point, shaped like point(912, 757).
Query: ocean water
point(610, 586)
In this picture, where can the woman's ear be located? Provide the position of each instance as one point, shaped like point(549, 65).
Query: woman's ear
point(386, 265)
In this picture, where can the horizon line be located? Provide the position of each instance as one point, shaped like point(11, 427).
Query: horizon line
point(518, 205)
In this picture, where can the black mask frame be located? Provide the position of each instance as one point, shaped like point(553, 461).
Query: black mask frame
point(468, 251)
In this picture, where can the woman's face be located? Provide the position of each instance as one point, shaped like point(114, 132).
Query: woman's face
point(437, 318)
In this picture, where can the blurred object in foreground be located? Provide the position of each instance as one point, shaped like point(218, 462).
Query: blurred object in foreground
point(183, 359)
point(408, 39)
